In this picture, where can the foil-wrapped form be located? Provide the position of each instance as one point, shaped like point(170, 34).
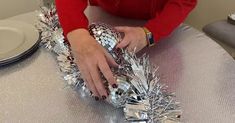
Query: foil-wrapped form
point(117, 96)
point(139, 91)
point(105, 34)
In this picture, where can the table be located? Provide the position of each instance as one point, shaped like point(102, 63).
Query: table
point(223, 33)
point(197, 69)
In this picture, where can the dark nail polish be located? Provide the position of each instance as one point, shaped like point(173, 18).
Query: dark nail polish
point(178, 116)
point(118, 49)
point(68, 58)
point(103, 97)
point(114, 86)
point(91, 92)
point(96, 98)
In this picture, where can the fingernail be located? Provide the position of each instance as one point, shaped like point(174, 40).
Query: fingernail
point(118, 48)
point(91, 92)
point(96, 98)
point(114, 86)
point(103, 97)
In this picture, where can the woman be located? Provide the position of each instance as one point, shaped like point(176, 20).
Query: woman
point(163, 17)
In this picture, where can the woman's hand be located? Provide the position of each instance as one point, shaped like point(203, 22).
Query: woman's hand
point(135, 37)
point(92, 59)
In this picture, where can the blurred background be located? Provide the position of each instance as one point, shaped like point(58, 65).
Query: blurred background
point(208, 11)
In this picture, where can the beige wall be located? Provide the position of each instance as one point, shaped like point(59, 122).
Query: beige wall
point(13, 7)
point(210, 10)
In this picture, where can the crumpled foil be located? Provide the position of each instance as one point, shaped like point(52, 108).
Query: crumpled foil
point(139, 92)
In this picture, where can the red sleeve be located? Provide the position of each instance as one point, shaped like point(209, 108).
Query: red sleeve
point(71, 14)
point(172, 15)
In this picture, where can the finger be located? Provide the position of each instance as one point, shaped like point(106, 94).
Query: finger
point(104, 68)
point(124, 43)
point(91, 86)
point(110, 59)
point(94, 72)
point(121, 28)
point(88, 80)
point(132, 47)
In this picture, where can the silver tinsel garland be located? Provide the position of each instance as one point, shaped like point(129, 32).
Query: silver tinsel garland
point(139, 91)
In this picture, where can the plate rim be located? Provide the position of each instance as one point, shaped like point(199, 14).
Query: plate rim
point(31, 40)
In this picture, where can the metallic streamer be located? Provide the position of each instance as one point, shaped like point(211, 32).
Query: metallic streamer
point(140, 94)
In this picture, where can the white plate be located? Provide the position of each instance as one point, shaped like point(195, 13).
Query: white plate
point(16, 39)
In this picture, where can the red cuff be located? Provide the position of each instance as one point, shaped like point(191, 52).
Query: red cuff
point(172, 15)
point(71, 14)
point(76, 25)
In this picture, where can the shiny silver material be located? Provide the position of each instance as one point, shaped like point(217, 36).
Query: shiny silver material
point(197, 69)
point(149, 101)
point(138, 84)
point(137, 111)
point(117, 96)
point(105, 34)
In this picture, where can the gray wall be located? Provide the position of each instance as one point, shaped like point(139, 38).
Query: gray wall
point(208, 11)
point(10, 8)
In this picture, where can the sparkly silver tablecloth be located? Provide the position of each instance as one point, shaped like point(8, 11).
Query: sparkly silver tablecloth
point(200, 72)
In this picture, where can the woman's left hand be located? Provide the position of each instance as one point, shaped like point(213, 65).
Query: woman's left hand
point(135, 37)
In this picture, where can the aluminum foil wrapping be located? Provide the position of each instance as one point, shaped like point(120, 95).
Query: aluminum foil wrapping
point(105, 34)
point(139, 91)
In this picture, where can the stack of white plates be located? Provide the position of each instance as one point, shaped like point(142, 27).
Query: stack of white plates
point(17, 41)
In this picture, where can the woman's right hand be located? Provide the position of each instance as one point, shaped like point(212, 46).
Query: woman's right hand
point(92, 59)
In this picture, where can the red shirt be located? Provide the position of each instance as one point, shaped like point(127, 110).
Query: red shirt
point(163, 15)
